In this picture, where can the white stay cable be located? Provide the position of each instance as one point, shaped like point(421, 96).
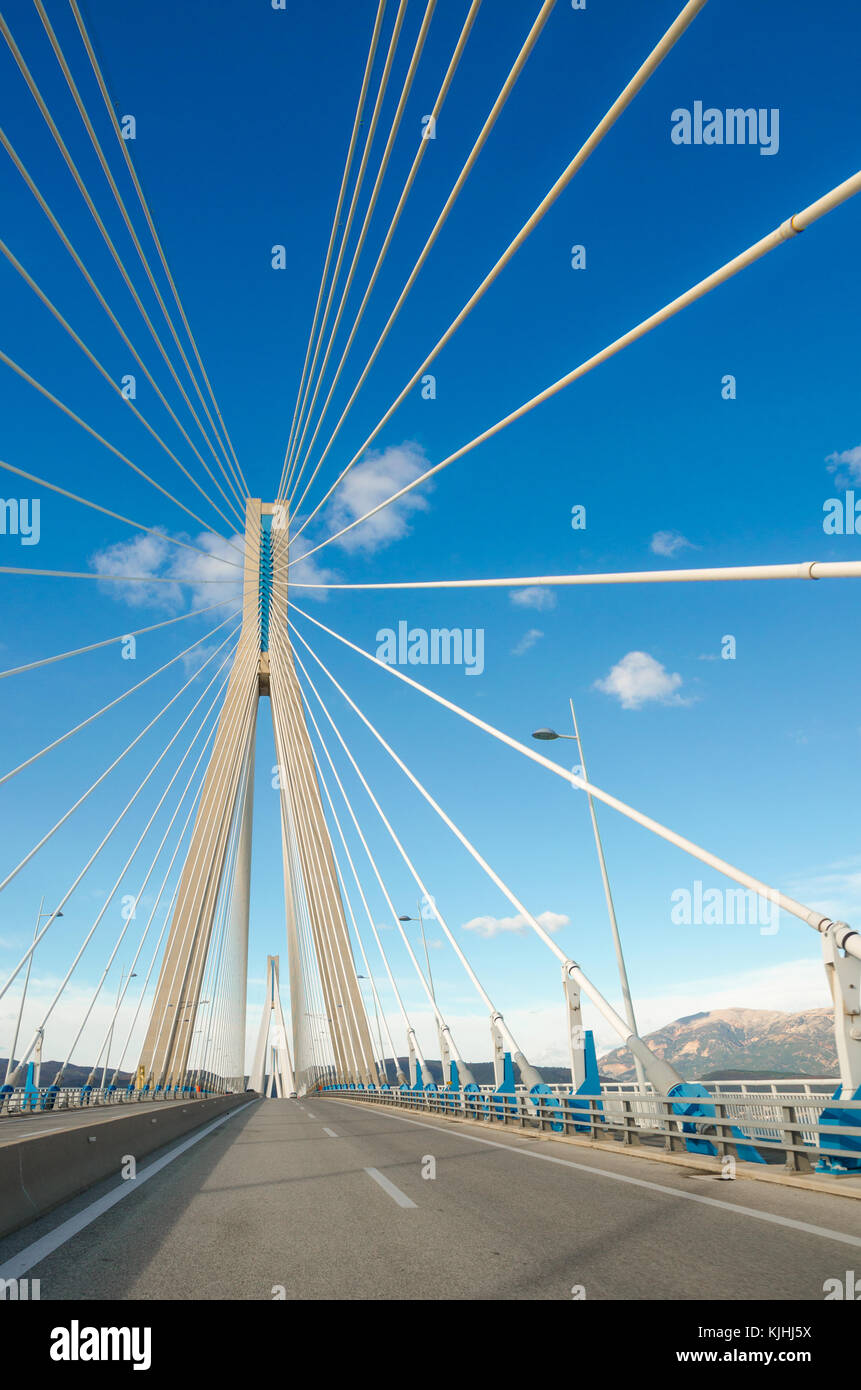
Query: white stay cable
point(180, 1037)
point(411, 1035)
point(43, 391)
point(396, 217)
point(212, 979)
point(806, 569)
point(151, 224)
point(179, 841)
point(375, 36)
point(346, 966)
point(111, 705)
point(369, 139)
point(378, 1002)
point(620, 1025)
point(472, 159)
point(109, 641)
point(339, 960)
point(72, 167)
point(814, 919)
point(307, 1035)
point(791, 227)
point(474, 980)
point(369, 212)
point(422, 886)
point(106, 376)
point(89, 936)
point(381, 1055)
point(220, 772)
point(644, 72)
point(80, 801)
point(22, 169)
point(129, 916)
point(117, 516)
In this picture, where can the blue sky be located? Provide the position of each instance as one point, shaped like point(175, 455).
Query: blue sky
point(243, 116)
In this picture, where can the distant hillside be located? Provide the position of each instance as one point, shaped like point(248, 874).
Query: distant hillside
point(72, 1076)
point(740, 1043)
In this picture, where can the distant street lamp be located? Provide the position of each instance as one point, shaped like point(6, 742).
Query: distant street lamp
point(546, 735)
point(133, 976)
point(421, 923)
point(11, 1058)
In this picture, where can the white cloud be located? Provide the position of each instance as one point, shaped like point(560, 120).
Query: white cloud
point(668, 542)
point(371, 482)
point(493, 926)
point(533, 596)
point(190, 572)
point(309, 571)
point(527, 640)
point(849, 459)
point(638, 678)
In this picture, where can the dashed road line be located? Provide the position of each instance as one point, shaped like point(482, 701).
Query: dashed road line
point(394, 1192)
point(771, 1218)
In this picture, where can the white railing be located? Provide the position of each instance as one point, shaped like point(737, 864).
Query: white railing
point(20, 1102)
point(778, 1118)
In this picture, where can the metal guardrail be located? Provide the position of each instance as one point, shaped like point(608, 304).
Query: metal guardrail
point(23, 1102)
point(777, 1125)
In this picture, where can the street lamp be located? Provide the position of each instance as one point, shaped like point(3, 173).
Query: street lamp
point(421, 923)
point(132, 976)
point(545, 735)
point(11, 1059)
point(377, 1017)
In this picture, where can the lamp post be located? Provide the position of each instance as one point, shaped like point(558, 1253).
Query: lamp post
point(132, 976)
point(379, 1030)
point(11, 1058)
point(547, 735)
point(421, 923)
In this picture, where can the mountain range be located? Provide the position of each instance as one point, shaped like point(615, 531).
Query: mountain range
point(708, 1046)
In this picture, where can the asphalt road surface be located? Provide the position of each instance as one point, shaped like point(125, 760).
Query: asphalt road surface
point(323, 1199)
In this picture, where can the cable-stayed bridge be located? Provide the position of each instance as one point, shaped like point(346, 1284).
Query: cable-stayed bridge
point(372, 1140)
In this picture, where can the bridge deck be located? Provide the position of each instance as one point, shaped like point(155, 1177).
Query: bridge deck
point(327, 1200)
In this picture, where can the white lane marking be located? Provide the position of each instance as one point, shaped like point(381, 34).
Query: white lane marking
point(394, 1192)
point(310, 1116)
point(774, 1220)
point(32, 1254)
point(331, 1133)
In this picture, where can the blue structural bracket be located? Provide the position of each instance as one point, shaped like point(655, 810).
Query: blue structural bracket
point(31, 1090)
point(833, 1115)
point(265, 586)
point(551, 1107)
point(421, 1084)
point(695, 1107)
point(590, 1086)
point(472, 1097)
point(507, 1087)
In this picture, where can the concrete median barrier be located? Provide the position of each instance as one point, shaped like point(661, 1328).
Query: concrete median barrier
point(38, 1173)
